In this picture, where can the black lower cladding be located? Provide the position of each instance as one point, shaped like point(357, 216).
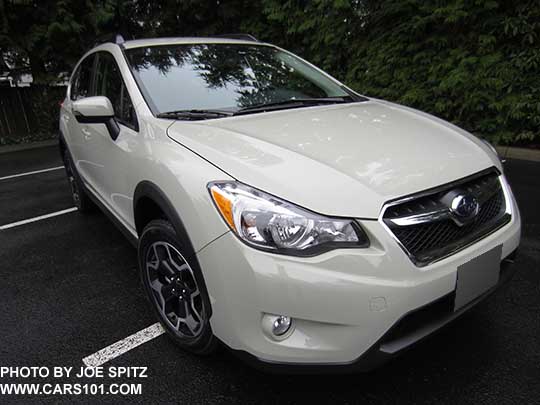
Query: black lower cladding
point(432, 316)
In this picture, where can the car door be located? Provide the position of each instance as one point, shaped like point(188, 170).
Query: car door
point(77, 134)
point(114, 156)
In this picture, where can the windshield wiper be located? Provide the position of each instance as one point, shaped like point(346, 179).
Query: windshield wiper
point(193, 115)
point(293, 103)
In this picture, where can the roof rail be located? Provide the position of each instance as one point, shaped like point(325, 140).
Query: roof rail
point(119, 39)
point(245, 37)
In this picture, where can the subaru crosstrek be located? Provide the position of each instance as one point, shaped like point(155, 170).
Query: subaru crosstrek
point(278, 211)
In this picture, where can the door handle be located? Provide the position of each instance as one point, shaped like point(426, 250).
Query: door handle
point(87, 134)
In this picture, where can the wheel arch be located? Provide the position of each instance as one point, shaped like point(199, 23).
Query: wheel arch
point(150, 202)
point(146, 193)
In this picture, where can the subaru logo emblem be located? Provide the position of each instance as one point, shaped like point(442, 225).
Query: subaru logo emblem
point(464, 207)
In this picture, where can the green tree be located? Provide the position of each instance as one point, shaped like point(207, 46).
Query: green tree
point(475, 63)
point(45, 37)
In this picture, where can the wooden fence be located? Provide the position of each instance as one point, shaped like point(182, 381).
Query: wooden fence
point(29, 113)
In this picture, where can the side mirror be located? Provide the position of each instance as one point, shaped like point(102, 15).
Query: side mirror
point(96, 110)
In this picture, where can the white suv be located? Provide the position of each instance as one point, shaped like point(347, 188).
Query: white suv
point(278, 211)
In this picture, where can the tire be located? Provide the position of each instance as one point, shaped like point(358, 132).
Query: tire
point(81, 200)
point(175, 288)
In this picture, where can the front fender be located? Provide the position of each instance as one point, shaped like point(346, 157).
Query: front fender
point(177, 183)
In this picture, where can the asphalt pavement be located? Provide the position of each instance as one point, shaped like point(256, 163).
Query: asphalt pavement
point(69, 287)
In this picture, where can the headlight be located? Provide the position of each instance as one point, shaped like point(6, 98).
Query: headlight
point(269, 223)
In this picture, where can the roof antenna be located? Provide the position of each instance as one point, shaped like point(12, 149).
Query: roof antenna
point(119, 39)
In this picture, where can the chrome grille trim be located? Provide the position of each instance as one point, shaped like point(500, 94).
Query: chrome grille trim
point(493, 187)
point(432, 216)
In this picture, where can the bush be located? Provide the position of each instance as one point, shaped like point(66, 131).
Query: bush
point(475, 63)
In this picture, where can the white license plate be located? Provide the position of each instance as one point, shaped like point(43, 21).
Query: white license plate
point(477, 276)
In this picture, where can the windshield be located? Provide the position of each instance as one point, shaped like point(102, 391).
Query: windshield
point(225, 77)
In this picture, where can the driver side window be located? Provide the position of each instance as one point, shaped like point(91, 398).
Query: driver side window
point(109, 83)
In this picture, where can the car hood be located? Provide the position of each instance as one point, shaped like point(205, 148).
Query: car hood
point(342, 159)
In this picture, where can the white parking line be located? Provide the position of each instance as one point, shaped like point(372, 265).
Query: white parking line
point(122, 346)
point(27, 221)
point(30, 173)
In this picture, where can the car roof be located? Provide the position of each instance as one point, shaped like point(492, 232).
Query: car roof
point(137, 43)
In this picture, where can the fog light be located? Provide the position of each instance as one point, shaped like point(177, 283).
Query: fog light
point(281, 325)
point(277, 327)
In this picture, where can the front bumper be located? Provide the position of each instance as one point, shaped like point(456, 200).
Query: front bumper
point(347, 304)
point(409, 330)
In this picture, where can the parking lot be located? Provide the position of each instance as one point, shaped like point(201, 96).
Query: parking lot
point(70, 288)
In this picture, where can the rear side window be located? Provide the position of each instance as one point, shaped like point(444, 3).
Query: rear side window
point(81, 84)
point(109, 83)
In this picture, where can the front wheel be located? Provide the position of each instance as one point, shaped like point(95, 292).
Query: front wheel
point(175, 288)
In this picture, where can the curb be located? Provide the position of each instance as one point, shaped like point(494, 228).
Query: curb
point(27, 146)
point(510, 152)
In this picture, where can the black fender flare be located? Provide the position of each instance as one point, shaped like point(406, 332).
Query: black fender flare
point(147, 189)
point(62, 144)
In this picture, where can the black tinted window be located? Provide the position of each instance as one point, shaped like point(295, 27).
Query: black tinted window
point(109, 83)
point(82, 80)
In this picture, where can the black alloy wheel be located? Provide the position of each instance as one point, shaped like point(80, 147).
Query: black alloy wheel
point(175, 288)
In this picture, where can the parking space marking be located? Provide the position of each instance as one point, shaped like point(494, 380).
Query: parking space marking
point(35, 219)
point(30, 173)
point(122, 346)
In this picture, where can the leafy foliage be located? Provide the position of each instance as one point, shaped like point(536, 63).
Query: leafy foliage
point(473, 62)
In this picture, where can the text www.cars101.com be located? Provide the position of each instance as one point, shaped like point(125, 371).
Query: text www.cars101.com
point(70, 389)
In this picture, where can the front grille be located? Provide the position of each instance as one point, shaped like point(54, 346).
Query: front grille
point(427, 229)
